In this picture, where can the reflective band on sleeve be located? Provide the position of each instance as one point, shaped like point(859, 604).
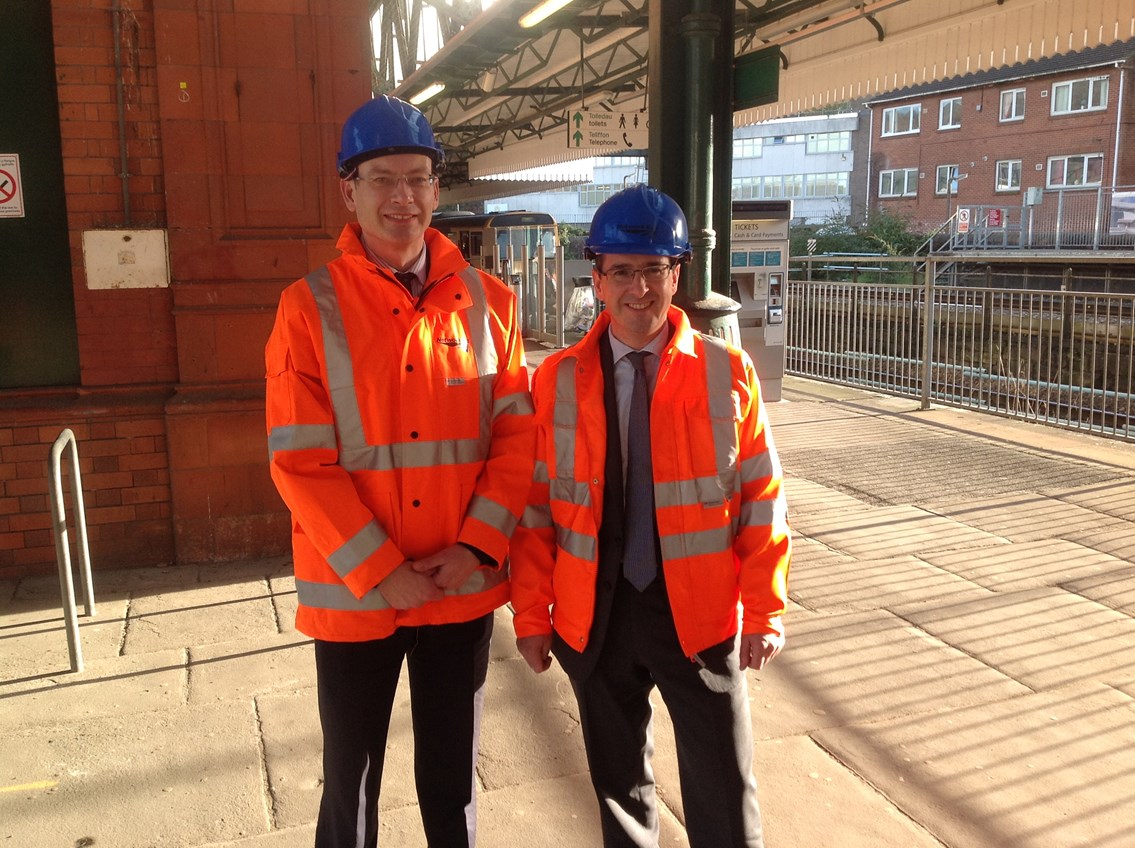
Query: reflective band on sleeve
point(757, 467)
point(491, 513)
point(763, 513)
point(699, 543)
point(535, 517)
point(579, 545)
point(518, 403)
point(336, 596)
point(355, 550)
point(301, 437)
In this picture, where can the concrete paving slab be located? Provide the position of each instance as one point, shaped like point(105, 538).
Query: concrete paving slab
point(292, 743)
point(1010, 568)
point(1118, 541)
point(806, 551)
point(1116, 497)
point(1045, 637)
point(874, 584)
point(1115, 589)
point(560, 812)
point(863, 667)
point(169, 778)
point(284, 601)
point(886, 532)
point(199, 615)
point(808, 498)
point(1033, 772)
point(106, 687)
point(33, 640)
point(1028, 517)
point(288, 838)
point(249, 667)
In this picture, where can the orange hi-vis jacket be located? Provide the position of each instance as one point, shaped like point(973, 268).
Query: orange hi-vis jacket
point(396, 428)
point(719, 499)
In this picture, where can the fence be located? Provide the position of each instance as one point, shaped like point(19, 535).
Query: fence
point(1055, 357)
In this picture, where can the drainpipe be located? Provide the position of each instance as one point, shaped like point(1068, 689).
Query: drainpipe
point(120, 91)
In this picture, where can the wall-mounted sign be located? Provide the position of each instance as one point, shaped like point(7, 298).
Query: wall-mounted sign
point(610, 131)
point(11, 188)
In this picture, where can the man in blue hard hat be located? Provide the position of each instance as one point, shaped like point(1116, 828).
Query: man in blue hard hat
point(400, 433)
point(656, 516)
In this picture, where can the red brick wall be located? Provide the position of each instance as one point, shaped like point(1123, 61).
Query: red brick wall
point(982, 140)
point(231, 128)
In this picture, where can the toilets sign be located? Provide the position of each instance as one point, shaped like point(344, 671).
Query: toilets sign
point(11, 190)
point(613, 132)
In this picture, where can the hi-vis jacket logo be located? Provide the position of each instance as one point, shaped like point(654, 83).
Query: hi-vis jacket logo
point(449, 341)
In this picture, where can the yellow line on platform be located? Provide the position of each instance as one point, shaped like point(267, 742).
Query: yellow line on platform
point(23, 787)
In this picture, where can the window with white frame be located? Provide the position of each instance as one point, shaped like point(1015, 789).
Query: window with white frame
point(901, 182)
point(747, 148)
point(902, 120)
point(945, 179)
point(829, 142)
point(1082, 95)
point(1012, 105)
point(950, 113)
point(1081, 169)
point(826, 185)
point(595, 193)
point(1008, 175)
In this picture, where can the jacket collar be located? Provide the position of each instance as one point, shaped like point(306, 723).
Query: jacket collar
point(681, 336)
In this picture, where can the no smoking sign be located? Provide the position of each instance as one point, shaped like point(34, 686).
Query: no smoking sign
point(11, 188)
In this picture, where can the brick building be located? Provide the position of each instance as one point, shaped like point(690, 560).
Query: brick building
point(174, 161)
point(1062, 122)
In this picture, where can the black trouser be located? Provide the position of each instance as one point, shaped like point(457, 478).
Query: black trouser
point(709, 706)
point(356, 682)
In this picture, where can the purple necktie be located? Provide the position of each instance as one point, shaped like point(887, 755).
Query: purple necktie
point(640, 558)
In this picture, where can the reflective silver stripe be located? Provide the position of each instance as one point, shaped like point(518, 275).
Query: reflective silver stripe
point(757, 467)
point(564, 420)
point(579, 545)
point(719, 384)
point(518, 403)
point(412, 455)
point(480, 333)
point(340, 368)
point(703, 490)
point(301, 437)
point(535, 517)
point(762, 513)
point(540, 472)
point(570, 491)
point(681, 545)
point(491, 513)
point(352, 553)
point(336, 596)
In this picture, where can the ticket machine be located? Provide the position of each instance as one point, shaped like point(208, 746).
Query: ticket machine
point(758, 276)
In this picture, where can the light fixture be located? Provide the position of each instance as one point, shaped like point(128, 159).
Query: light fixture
point(427, 92)
point(548, 7)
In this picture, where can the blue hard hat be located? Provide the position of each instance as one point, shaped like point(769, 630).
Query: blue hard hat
point(639, 220)
point(383, 126)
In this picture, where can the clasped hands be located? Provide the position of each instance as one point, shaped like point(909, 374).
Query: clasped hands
point(417, 582)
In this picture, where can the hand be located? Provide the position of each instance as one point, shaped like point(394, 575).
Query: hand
point(448, 568)
point(537, 651)
point(405, 588)
point(758, 649)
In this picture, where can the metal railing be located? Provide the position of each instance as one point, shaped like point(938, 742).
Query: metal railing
point(1055, 357)
point(66, 439)
point(1099, 218)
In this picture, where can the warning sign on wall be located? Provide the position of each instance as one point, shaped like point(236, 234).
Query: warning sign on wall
point(11, 189)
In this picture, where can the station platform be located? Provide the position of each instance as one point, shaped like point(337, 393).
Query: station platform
point(959, 671)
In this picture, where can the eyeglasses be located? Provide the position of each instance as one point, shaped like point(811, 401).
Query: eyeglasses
point(624, 275)
point(388, 182)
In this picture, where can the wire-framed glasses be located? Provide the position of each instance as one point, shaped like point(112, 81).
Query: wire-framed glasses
point(389, 182)
point(624, 275)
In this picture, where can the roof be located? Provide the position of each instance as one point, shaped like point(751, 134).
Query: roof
point(1093, 57)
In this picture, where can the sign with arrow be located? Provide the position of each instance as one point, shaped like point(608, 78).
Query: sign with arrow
point(609, 132)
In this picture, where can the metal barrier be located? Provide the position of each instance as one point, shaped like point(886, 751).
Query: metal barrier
point(63, 548)
point(1053, 357)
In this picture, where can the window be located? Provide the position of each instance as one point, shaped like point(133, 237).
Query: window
point(747, 148)
point(902, 182)
point(1084, 169)
point(1008, 175)
point(1012, 105)
point(950, 113)
point(829, 142)
point(594, 194)
point(902, 120)
point(943, 178)
point(1085, 95)
point(826, 185)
